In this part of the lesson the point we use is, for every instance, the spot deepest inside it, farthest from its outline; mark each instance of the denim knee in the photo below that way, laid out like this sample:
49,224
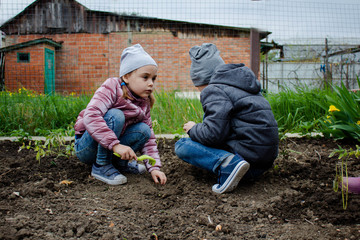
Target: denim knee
180,150
145,130
136,135
115,119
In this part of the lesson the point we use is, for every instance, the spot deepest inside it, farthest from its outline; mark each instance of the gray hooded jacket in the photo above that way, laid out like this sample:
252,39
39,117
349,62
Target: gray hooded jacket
237,118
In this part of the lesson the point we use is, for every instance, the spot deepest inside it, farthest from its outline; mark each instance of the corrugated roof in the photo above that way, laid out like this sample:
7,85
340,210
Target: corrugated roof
263,34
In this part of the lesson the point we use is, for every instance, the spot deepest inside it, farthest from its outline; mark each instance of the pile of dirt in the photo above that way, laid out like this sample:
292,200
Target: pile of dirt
294,200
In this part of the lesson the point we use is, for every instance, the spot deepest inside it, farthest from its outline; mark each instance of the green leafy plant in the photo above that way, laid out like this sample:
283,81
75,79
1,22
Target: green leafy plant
21,134
54,144
343,118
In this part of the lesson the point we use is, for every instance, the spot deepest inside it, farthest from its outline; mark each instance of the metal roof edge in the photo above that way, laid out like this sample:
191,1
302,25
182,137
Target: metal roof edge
50,42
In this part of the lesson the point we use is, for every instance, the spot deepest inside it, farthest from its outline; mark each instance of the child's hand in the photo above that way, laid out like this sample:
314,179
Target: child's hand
125,152
188,126
158,177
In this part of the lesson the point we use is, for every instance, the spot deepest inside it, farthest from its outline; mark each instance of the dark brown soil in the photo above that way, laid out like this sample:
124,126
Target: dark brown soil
294,200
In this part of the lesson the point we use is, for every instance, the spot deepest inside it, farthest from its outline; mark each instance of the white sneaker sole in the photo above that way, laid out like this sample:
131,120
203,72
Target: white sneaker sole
119,181
234,178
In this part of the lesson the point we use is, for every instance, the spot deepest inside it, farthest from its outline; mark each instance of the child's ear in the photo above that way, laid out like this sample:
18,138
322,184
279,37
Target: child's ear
125,78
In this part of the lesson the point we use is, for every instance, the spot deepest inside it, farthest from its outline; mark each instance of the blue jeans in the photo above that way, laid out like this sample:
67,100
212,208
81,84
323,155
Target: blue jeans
135,136
208,158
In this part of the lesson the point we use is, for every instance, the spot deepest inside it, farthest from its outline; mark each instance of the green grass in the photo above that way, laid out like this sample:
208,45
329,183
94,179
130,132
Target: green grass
170,113
297,111
26,113
36,114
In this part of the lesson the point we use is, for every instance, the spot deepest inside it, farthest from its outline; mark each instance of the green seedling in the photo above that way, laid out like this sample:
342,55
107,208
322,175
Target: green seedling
152,161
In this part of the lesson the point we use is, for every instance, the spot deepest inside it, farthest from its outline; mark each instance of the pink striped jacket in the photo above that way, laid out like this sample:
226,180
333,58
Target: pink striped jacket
109,96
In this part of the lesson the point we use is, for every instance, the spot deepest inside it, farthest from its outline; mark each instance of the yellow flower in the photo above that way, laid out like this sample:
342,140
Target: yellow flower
332,108
358,122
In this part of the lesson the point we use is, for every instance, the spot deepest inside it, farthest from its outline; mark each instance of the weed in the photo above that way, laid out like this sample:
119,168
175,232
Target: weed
341,170
54,144
21,134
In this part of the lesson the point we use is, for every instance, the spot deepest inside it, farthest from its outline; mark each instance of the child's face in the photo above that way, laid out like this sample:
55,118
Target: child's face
141,81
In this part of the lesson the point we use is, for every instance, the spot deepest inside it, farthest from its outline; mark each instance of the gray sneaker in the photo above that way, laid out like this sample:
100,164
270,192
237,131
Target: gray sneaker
108,174
125,166
133,167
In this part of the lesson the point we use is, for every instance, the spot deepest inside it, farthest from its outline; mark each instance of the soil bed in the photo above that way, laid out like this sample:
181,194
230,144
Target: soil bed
294,200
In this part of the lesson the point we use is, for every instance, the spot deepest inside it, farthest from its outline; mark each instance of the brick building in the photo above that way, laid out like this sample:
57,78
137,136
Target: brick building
36,59
88,45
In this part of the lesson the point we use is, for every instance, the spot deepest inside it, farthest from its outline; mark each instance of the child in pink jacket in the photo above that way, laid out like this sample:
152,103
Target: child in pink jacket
117,120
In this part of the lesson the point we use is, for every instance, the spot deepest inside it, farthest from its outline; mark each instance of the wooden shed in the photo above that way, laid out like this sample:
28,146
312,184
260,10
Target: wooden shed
31,65
92,43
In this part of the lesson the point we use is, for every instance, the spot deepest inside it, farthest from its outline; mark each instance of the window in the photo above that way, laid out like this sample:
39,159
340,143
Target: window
23,57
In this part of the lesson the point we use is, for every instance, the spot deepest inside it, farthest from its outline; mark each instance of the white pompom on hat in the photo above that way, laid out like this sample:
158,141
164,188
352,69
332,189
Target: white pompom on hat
134,57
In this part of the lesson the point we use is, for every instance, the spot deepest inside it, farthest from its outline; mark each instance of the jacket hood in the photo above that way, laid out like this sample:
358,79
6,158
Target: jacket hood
236,75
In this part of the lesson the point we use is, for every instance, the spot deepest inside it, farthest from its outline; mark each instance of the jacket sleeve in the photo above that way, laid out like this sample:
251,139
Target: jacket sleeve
215,127
94,122
150,147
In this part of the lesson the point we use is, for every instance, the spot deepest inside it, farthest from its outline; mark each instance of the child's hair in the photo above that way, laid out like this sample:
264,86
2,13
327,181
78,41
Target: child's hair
125,90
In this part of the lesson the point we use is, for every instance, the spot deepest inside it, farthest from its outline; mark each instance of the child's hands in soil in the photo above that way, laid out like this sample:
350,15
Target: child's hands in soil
158,177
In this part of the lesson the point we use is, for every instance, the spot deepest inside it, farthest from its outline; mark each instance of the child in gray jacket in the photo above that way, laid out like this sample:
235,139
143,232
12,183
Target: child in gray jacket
238,132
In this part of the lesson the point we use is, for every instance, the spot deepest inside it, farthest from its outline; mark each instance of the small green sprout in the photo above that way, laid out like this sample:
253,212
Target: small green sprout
152,161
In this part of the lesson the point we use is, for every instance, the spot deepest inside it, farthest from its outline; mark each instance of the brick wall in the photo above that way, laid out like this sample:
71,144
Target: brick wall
86,60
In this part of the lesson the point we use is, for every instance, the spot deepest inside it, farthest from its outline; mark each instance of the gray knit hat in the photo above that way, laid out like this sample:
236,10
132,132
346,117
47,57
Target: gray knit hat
204,60
134,57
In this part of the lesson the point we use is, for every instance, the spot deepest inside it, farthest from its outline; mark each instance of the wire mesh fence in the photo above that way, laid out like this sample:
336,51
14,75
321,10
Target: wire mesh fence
71,47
